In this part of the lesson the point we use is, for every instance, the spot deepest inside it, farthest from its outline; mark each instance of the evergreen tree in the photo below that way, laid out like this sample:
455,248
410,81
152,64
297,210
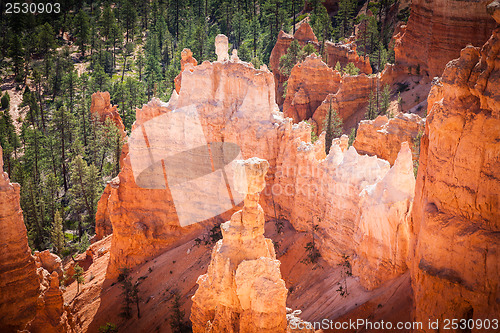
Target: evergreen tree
57,233
79,277
333,127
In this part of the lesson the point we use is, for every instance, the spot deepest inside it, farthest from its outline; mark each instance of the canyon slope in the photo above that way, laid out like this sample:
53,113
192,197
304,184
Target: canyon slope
456,212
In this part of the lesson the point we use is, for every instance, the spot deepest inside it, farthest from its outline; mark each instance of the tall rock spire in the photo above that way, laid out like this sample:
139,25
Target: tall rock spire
243,290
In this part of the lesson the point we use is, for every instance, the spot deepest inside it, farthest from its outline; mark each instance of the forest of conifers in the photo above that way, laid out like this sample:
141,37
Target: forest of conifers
57,152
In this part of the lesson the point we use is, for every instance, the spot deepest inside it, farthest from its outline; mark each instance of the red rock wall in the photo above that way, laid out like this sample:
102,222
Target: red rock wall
19,286
383,137
309,83
303,35
456,216
437,30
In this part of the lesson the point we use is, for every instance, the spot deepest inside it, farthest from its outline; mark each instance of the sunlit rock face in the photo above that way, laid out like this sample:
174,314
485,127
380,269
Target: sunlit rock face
187,60
456,214
30,297
309,83
356,201
342,53
349,101
19,286
227,102
230,102
303,35
242,290
383,229
436,32
383,136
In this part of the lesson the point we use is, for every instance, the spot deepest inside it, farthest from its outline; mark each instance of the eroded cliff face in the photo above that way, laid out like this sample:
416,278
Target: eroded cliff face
304,35
230,101
342,53
309,83
30,297
436,32
102,109
383,136
242,290
456,212
19,286
339,195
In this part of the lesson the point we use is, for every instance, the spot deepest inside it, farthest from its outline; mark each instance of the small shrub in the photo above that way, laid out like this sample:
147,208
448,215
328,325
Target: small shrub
346,272
5,100
108,328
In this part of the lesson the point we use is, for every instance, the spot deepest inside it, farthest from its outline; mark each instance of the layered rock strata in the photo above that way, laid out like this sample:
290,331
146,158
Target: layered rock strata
309,83
383,136
225,102
19,286
343,53
30,297
436,32
456,212
242,290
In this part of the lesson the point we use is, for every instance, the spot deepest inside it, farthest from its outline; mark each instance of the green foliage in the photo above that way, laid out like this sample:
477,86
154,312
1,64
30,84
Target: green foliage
177,322
57,233
79,277
352,136
345,18
378,102
416,152
338,68
108,328
333,126
5,100
293,55
345,273
351,69
313,253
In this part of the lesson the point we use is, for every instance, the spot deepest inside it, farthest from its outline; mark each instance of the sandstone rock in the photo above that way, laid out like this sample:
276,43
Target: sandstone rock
51,316
456,218
345,53
233,102
304,35
51,262
30,297
186,58
242,290
436,32
383,136
309,83
384,228
102,109
221,48
103,226
19,286
350,101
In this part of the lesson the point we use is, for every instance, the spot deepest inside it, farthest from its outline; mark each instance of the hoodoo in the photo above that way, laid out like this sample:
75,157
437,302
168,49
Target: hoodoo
242,290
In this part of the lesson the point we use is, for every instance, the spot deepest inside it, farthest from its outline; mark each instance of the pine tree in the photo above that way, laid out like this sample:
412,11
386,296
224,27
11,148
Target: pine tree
293,55
45,39
333,127
351,69
57,233
79,277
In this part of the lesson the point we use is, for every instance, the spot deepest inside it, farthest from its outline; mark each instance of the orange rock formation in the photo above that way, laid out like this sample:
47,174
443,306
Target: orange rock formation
242,290
335,52
456,212
30,297
309,83
383,136
19,286
436,32
186,58
102,108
